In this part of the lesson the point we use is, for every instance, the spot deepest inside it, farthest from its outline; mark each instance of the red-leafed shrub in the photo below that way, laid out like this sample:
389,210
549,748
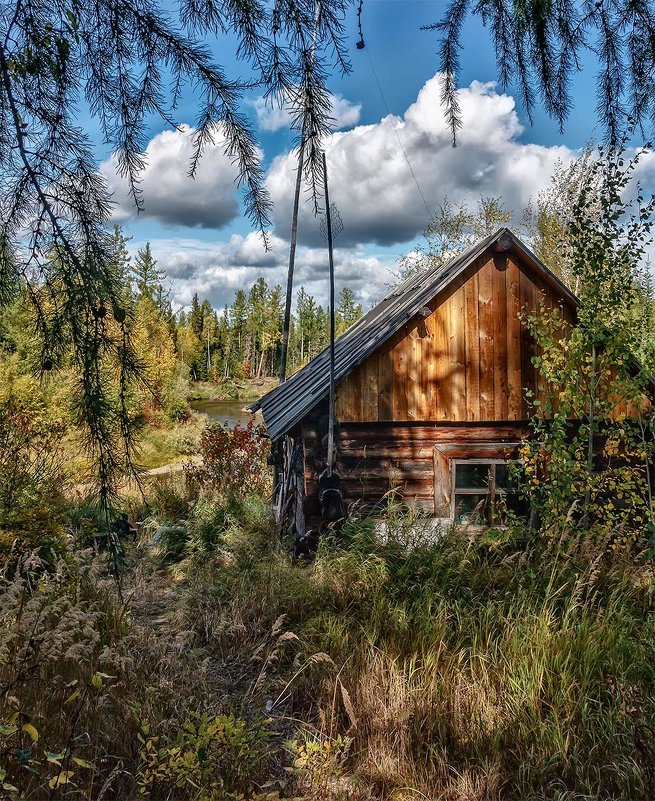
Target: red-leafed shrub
233,459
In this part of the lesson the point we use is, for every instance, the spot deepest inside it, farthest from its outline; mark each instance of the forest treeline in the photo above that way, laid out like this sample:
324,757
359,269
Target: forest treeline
197,343
242,340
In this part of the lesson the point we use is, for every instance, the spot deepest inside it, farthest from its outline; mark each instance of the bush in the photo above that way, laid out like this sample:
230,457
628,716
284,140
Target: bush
233,460
207,756
211,523
461,669
32,480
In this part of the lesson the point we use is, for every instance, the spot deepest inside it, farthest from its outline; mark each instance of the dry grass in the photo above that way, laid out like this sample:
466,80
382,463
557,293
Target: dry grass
453,671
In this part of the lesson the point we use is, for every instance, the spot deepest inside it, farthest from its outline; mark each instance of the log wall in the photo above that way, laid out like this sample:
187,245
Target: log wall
404,459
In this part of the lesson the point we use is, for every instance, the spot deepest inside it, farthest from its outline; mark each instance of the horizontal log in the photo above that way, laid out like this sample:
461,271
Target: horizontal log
383,462
386,449
390,477
378,487
377,484
405,433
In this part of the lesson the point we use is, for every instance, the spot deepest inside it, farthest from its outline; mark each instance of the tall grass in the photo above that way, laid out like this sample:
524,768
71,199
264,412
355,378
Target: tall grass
472,670
461,669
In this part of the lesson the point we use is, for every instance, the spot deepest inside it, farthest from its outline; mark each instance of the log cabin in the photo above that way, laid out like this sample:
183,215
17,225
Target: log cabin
431,393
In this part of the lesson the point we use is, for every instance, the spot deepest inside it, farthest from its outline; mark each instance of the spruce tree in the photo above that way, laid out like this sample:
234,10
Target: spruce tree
348,312
127,61
148,279
541,45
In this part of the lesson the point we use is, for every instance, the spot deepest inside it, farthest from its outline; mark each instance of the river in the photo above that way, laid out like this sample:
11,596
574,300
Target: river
228,412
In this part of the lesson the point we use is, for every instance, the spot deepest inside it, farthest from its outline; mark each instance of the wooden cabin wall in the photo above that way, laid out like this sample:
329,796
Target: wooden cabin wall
374,458
469,360
449,385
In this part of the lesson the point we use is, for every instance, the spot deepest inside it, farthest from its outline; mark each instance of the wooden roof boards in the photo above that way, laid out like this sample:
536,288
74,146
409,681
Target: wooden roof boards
286,405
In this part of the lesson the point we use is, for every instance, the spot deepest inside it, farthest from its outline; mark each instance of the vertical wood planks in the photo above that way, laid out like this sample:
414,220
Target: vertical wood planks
355,403
472,349
370,388
341,401
469,360
486,323
421,352
457,355
429,368
385,383
399,379
412,390
514,389
442,389
528,345
500,336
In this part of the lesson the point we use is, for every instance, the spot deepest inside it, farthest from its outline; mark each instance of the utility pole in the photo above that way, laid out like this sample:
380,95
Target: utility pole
294,223
209,357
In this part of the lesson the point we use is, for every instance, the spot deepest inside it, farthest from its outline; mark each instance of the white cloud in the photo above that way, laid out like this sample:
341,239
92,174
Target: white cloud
273,117
216,271
372,184
169,195
371,181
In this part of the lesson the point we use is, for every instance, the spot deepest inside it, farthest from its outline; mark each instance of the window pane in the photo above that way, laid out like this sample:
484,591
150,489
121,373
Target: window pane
516,504
471,475
505,479
470,508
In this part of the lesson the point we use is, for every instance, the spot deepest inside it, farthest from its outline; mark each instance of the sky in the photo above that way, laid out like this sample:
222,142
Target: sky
387,114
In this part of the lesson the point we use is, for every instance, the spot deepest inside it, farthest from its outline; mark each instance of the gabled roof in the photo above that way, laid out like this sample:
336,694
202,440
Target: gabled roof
287,404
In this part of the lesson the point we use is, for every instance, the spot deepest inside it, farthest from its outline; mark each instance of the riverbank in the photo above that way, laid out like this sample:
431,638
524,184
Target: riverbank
163,442
166,442
246,389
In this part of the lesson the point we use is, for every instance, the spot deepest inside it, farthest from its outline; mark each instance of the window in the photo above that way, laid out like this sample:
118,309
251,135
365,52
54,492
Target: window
483,490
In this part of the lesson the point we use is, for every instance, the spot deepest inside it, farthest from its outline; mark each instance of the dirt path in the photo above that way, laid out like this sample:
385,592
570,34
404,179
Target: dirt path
172,467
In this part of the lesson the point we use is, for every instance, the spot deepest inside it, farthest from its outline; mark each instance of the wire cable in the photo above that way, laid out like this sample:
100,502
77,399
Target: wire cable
395,129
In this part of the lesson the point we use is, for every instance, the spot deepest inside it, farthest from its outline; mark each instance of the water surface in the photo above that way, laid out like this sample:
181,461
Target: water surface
227,412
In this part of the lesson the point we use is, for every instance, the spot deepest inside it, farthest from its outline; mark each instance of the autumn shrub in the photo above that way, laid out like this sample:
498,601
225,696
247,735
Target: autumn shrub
206,757
589,461
486,666
98,701
166,499
60,635
32,481
232,459
212,521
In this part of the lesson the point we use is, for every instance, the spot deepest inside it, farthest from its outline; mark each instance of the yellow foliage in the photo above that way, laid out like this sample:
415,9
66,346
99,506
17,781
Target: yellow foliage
154,345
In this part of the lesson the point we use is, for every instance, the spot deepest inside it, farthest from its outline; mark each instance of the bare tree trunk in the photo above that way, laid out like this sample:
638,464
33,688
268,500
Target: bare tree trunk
294,224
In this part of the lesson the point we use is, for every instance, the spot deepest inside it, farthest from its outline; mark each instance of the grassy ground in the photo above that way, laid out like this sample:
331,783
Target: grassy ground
462,670
166,442
162,442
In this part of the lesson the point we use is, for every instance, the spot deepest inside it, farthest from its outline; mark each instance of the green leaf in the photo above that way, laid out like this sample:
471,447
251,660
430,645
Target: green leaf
82,762
96,680
75,694
8,730
63,777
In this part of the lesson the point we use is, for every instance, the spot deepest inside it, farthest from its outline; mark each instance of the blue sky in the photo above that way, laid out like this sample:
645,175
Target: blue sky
200,237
